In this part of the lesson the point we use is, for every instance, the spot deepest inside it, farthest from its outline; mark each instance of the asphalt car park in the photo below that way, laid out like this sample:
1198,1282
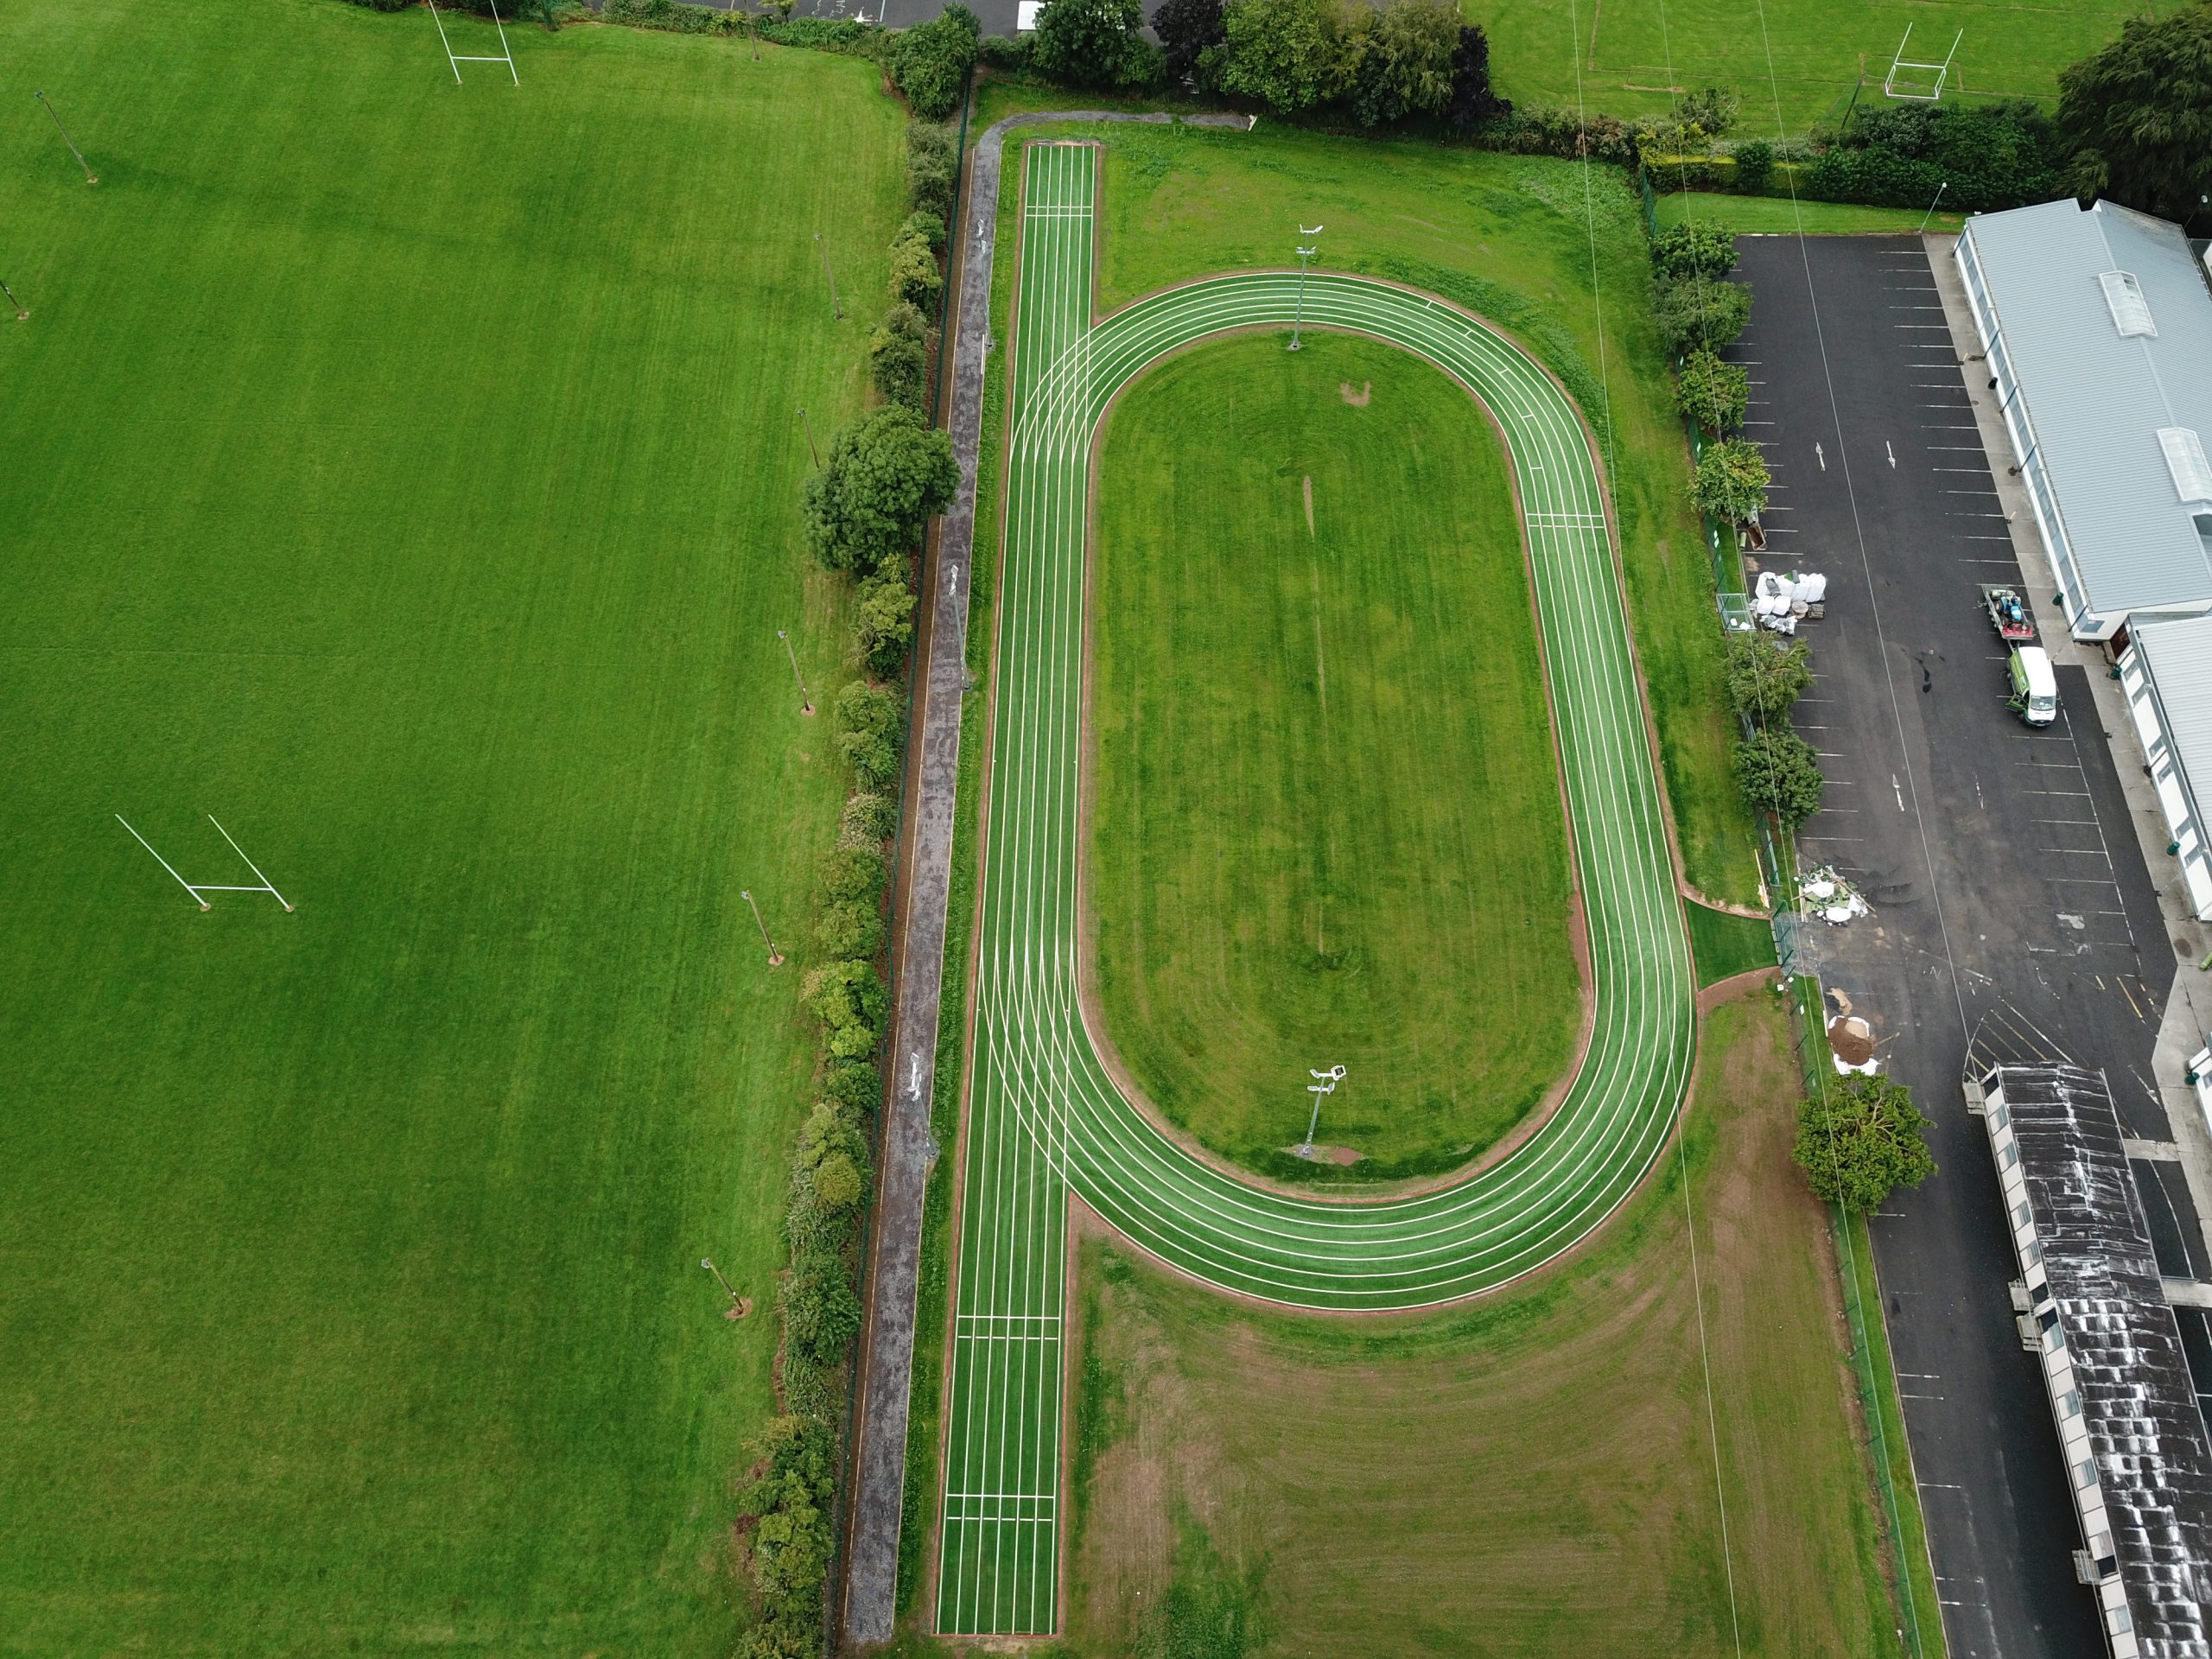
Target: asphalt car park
2012,913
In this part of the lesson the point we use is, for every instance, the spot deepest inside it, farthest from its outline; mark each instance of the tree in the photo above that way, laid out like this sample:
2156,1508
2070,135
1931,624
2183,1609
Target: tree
885,474
1094,43
884,622
1754,165
868,734
898,356
1766,674
1711,110
915,278
2137,117
1700,314
1779,773
1399,60
1713,393
1860,1141
1731,482
930,62
1285,54
1187,30
1693,250
1473,99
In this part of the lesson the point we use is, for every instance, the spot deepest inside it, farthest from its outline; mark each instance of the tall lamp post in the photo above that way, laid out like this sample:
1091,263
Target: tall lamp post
805,702
90,177
836,311
1327,1084
1298,317
775,957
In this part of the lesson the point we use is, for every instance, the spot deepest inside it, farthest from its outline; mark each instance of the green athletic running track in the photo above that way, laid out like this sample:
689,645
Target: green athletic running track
1044,1117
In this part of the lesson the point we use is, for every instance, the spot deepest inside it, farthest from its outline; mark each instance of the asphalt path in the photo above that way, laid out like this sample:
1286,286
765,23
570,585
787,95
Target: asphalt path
1045,1119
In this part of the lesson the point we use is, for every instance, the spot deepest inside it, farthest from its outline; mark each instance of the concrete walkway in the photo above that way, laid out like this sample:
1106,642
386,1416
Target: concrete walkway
870,1601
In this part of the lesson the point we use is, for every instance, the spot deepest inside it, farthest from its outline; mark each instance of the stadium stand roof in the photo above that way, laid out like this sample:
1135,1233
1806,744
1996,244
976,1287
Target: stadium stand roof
2121,1396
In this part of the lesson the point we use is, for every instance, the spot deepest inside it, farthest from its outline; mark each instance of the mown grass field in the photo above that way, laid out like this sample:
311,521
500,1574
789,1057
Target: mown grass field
1778,216
407,474
1806,56
1533,1475
1326,824
1513,239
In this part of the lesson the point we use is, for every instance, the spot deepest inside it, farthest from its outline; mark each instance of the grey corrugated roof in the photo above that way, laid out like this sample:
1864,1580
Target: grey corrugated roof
2097,400
2179,658
2154,1462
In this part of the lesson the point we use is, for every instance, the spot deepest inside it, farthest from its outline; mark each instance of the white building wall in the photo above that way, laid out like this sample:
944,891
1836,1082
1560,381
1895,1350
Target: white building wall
2185,833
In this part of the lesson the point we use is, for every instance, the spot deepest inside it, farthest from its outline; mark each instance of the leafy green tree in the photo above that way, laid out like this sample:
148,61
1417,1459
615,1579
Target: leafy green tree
1399,60
1860,1139
885,474
1700,314
1693,250
837,1181
929,171
1779,773
1188,30
930,62
1474,99
1766,674
1713,393
898,356
915,279
1094,43
852,873
1731,482
849,928
883,622
1285,54
2137,117
866,820
1754,166
869,719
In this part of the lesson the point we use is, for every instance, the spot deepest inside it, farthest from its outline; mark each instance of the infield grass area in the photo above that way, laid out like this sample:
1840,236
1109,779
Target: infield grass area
1532,1476
1327,828
1630,52
406,473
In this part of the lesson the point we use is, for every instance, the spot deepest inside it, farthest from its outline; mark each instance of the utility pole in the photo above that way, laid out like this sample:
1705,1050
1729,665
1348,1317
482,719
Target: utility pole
836,311
22,311
1326,1085
811,450
805,702
775,957
739,1307
90,177
1930,214
1299,317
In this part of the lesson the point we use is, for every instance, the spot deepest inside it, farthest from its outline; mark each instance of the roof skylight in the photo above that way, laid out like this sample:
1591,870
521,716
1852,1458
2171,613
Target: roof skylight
2131,312
2185,461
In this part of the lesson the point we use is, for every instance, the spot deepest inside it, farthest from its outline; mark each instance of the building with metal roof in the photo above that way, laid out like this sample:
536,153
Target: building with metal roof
2096,324
2093,1310
2166,671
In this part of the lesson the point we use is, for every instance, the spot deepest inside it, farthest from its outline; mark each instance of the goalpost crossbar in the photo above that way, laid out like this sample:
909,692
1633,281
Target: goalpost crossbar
455,60
1906,76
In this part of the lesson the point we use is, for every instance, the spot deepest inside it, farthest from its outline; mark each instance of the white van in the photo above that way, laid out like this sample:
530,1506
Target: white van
2034,687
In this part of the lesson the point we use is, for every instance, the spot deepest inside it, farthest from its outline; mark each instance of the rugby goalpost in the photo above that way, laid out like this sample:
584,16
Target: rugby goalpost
1910,80
197,889
453,61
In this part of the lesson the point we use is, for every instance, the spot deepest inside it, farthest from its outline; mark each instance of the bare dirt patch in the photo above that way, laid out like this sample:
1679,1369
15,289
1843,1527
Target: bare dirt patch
1358,399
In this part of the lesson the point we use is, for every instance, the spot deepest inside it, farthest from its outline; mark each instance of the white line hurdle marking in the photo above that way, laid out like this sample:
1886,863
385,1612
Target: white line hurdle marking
195,888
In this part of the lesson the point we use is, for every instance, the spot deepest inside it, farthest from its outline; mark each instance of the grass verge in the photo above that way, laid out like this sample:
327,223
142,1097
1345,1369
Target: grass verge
1776,216
412,484
1723,945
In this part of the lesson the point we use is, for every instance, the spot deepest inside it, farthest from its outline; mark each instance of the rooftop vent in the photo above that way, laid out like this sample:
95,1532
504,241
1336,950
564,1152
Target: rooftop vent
2185,461
2131,312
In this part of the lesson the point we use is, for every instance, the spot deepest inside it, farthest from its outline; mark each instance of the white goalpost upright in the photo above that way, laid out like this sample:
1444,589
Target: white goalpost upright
259,884
453,61
1906,78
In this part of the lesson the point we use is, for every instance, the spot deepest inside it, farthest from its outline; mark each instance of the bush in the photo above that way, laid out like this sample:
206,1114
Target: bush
1982,156
1681,251
385,6
821,1313
788,1550
1731,482
1700,314
1009,54
851,1002
853,874
915,279
837,1182
929,170
1766,674
930,62
847,36
867,821
868,734
1754,165
1399,60
929,227
1474,100
1713,393
898,356
1187,30
1537,130
855,1085
1094,43
883,623
1779,773
1284,54
849,928
886,473
1860,1139
1711,110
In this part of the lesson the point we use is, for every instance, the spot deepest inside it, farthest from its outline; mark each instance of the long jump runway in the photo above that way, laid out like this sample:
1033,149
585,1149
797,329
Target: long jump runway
1045,1119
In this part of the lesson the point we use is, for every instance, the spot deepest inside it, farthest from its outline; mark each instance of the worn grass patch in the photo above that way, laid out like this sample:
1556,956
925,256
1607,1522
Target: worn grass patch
408,474
1327,826
1530,1475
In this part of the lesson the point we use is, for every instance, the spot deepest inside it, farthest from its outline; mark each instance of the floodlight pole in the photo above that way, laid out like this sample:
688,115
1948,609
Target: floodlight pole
775,957
90,177
707,1262
1298,317
811,450
1327,1085
1930,214
805,702
22,311
836,311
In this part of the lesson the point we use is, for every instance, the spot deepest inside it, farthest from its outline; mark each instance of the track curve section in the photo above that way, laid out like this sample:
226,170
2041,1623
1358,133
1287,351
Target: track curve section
1044,1118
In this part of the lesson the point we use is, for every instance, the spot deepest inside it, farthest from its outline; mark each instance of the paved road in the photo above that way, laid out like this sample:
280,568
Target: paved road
1044,1117
2010,901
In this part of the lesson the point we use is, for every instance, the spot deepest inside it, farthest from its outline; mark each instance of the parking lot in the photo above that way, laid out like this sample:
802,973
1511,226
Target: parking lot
2012,908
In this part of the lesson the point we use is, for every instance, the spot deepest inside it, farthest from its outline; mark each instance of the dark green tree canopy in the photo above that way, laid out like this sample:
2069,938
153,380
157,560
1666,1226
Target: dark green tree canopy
1094,43
1282,52
1695,250
1779,773
1399,60
1473,99
1187,28
930,62
1860,1139
1713,393
2137,117
1767,674
886,473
